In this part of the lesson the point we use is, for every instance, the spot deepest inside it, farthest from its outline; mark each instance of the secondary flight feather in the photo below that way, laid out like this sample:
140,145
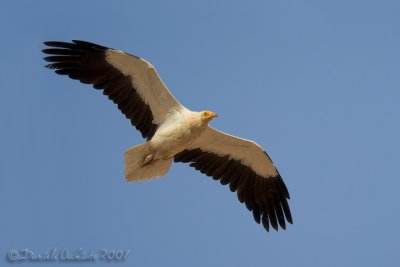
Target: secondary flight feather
173,132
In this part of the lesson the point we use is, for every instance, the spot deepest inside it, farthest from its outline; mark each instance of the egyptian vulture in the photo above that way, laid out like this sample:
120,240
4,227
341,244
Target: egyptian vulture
173,132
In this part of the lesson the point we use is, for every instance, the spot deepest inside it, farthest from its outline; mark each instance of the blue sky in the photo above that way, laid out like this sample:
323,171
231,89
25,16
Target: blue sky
316,83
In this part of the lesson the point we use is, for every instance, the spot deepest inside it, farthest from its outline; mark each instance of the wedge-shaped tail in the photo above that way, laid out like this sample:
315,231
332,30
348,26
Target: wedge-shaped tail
134,169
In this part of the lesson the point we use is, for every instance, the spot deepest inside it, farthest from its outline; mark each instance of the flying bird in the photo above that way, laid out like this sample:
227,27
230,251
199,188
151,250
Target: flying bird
173,132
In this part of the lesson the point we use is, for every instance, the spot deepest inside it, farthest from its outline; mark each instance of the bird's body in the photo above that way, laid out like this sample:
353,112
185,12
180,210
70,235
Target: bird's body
173,132
178,131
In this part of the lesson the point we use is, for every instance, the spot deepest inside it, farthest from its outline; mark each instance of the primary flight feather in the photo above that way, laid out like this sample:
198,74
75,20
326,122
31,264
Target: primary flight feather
173,132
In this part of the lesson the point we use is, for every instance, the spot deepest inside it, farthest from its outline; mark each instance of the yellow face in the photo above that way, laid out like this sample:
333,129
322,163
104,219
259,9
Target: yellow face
207,115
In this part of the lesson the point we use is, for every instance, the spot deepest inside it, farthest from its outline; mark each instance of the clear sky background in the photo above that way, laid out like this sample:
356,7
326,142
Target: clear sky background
316,83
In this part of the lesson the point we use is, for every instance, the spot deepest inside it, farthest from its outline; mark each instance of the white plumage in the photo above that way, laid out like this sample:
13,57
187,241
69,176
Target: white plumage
180,128
173,132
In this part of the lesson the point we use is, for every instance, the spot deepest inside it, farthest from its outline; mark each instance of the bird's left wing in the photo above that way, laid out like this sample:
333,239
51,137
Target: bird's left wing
247,168
129,81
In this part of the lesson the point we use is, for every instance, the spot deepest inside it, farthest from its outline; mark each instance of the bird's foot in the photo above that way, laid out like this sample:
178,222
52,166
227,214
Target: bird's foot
147,160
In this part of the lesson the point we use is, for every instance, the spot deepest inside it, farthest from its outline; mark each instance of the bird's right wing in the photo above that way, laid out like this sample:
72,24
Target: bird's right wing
129,81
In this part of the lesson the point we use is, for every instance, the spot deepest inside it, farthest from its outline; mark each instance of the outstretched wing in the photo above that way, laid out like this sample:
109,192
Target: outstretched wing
129,81
247,168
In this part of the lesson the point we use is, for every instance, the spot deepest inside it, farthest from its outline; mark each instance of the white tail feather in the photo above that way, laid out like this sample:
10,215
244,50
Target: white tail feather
134,171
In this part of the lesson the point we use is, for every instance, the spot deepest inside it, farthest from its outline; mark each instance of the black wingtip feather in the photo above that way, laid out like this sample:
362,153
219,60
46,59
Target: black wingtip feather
265,221
257,215
89,44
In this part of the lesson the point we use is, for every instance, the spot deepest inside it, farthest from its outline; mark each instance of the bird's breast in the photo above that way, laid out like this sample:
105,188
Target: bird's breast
174,136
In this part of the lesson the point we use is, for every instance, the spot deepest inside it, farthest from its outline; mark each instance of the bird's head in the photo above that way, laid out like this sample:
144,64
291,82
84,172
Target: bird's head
207,115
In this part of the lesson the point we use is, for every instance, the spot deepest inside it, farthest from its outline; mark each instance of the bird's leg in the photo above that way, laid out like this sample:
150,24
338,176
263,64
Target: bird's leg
148,159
